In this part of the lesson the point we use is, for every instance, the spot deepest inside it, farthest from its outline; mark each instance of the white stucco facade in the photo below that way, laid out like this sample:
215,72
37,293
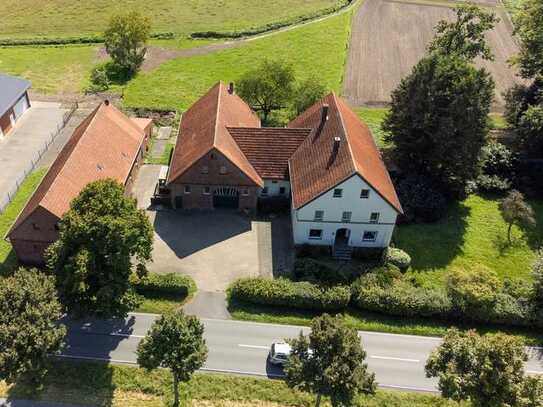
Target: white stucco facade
329,214
275,188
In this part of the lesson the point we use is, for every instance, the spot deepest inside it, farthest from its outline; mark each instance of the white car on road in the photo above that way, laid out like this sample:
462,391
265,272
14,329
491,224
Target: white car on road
279,353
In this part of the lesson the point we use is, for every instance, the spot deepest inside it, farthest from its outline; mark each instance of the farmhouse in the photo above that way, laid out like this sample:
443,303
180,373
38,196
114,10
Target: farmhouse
107,144
14,101
325,160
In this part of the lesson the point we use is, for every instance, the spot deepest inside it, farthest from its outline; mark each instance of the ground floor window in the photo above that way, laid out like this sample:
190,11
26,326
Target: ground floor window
369,236
187,189
315,234
207,190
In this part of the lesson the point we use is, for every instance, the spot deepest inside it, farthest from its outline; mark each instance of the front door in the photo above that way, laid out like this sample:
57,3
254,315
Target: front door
342,237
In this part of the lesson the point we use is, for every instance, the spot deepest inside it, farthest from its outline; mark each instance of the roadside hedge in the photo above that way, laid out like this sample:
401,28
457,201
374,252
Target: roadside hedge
287,293
86,39
171,284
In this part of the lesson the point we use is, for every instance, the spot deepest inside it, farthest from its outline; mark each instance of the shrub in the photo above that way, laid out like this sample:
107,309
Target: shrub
492,183
497,160
401,298
421,199
286,293
473,291
171,284
307,269
398,258
99,79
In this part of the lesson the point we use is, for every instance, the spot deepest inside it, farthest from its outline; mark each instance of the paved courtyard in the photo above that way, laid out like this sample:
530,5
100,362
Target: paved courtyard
26,142
213,247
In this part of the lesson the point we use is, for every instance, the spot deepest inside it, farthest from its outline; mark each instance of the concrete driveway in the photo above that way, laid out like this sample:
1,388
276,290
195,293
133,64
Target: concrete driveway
213,247
26,142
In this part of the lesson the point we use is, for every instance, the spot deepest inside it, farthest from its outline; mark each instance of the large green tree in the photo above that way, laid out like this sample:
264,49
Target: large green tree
329,362
465,36
29,329
528,21
487,370
125,40
306,93
103,237
438,120
175,341
268,87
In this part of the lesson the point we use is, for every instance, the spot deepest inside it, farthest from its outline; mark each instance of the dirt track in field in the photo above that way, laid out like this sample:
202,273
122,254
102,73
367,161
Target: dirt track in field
390,36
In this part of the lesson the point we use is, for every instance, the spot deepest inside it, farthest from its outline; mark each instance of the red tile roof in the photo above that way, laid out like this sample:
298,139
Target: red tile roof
203,127
268,149
104,145
315,168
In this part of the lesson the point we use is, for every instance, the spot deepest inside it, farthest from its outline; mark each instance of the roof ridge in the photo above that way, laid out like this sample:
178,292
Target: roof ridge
345,132
217,115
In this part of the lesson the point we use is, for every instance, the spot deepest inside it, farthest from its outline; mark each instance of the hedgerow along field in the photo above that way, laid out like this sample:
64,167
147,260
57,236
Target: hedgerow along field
65,18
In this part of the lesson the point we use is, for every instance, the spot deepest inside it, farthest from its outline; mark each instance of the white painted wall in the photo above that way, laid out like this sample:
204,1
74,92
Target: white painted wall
274,188
303,219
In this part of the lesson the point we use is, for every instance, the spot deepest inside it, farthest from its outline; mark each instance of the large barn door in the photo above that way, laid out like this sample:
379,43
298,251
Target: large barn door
226,198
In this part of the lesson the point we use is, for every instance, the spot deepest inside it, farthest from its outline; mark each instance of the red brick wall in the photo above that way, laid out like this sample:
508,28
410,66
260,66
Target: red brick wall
33,236
198,180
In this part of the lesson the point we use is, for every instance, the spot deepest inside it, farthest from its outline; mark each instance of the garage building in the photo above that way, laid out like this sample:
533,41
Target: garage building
14,101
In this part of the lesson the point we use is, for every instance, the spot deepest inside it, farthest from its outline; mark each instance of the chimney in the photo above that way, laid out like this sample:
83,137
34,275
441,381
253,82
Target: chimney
337,142
324,116
106,102
231,88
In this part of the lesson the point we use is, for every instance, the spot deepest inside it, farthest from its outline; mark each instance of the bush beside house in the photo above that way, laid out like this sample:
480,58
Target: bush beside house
171,284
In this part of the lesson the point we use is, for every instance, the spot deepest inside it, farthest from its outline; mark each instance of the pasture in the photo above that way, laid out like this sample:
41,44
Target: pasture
65,18
389,37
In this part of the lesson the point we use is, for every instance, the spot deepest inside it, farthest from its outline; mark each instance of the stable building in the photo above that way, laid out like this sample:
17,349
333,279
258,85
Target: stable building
14,101
325,161
107,144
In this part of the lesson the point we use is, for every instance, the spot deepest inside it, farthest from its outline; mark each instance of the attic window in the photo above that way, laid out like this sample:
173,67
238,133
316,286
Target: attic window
35,226
124,154
100,167
205,169
222,170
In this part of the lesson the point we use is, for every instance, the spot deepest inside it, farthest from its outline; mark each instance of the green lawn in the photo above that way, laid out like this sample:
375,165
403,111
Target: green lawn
472,232
7,256
317,49
64,18
63,69
107,385
373,117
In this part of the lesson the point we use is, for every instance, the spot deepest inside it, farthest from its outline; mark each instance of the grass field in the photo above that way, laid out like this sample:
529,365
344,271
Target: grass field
50,69
318,49
63,18
106,385
472,232
7,256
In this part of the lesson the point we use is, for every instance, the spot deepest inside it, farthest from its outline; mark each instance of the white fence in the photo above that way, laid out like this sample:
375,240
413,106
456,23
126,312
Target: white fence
8,195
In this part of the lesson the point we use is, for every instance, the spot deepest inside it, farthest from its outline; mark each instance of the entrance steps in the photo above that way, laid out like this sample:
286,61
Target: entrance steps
344,253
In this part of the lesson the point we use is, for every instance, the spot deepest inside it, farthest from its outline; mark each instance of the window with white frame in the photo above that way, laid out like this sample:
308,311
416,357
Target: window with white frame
374,217
245,191
315,234
282,190
346,217
207,190
338,193
365,194
222,170
264,191
319,216
187,189
205,169
369,236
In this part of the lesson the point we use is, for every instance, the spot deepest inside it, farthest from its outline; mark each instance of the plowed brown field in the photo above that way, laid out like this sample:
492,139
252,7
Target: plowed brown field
390,36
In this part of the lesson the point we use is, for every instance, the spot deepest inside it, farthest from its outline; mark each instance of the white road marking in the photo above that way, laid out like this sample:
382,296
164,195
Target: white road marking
253,346
396,359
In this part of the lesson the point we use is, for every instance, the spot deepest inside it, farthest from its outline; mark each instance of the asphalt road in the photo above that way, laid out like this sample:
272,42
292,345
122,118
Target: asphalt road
242,348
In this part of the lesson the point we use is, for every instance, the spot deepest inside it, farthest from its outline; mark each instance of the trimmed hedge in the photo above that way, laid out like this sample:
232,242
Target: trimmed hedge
171,284
286,293
88,39
273,26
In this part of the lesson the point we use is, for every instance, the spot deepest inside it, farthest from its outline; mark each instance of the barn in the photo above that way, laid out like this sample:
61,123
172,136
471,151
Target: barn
14,101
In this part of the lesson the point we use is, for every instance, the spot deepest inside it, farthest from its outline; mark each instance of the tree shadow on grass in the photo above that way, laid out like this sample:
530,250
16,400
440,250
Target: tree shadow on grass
434,245
534,235
81,383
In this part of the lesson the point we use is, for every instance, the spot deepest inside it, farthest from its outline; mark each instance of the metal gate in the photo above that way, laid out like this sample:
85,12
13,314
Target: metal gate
226,198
